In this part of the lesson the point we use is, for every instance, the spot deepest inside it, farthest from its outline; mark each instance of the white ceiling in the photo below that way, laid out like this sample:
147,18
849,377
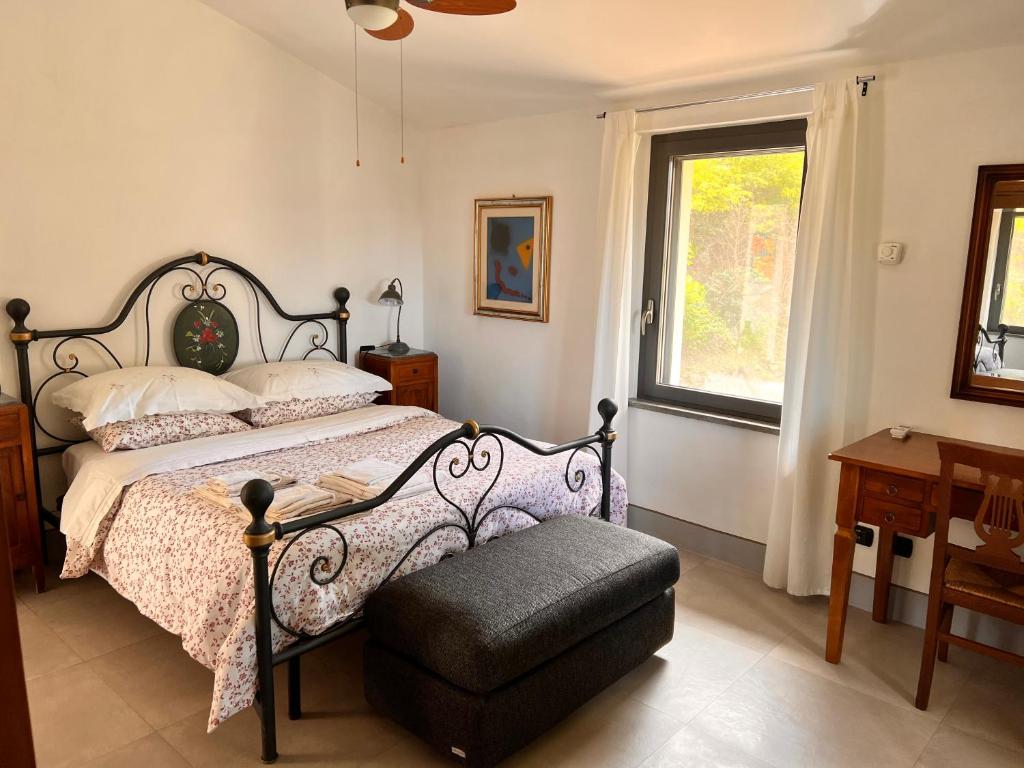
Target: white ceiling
554,55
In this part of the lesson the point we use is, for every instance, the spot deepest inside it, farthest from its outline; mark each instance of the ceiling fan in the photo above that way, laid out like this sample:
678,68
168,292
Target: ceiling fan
385,20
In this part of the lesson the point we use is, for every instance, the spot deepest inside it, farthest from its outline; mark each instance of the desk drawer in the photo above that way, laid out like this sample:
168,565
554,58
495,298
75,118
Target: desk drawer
894,486
415,372
899,516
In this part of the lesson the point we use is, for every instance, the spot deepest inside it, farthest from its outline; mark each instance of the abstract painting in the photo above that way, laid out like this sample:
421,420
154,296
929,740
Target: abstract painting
513,257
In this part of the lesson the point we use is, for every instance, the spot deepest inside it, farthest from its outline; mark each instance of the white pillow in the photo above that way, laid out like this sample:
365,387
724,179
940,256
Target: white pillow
275,382
131,393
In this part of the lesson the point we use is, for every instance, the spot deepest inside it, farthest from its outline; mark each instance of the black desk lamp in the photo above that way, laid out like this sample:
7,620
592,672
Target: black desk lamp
393,297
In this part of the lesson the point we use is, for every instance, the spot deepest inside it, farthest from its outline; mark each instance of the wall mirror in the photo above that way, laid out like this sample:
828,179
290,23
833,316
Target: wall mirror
989,363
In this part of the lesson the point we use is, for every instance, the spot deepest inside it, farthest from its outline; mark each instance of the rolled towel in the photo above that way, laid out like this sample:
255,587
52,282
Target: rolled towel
230,483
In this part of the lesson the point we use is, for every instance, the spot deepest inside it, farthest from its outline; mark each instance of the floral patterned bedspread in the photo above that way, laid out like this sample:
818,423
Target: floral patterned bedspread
182,562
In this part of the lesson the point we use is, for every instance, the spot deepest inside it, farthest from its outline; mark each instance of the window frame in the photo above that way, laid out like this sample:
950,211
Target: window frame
1007,229
666,150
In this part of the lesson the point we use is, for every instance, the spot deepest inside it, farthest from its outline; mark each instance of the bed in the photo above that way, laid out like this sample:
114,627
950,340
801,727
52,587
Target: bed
247,595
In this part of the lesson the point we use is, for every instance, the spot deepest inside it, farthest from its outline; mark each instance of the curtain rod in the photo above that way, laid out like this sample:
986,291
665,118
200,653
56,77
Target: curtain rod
862,80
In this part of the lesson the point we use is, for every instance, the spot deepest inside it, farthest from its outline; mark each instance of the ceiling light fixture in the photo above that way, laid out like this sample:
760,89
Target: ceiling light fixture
373,14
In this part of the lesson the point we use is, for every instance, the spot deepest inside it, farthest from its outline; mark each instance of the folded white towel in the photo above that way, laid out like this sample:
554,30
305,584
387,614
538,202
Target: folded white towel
418,484
291,502
370,471
230,483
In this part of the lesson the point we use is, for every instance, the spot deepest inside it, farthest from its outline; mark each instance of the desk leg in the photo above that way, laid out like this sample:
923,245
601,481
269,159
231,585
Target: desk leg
883,576
842,561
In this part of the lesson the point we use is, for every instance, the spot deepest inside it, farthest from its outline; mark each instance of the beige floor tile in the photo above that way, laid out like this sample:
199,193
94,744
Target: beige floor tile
736,605
691,748
689,673
689,560
319,739
42,650
148,752
96,622
57,589
882,660
337,728
332,676
76,717
991,706
157,678
950,748
789,718
409,752
611,731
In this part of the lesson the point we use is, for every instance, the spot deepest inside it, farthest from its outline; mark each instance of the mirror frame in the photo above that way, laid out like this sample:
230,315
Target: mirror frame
974,283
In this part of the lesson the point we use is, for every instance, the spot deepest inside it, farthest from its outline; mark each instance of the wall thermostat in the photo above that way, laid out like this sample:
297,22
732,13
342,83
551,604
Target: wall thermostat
890,253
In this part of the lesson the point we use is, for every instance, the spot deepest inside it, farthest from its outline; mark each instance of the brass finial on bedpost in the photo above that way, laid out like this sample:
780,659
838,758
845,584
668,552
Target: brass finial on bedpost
257,496
20,335
18,310
607,409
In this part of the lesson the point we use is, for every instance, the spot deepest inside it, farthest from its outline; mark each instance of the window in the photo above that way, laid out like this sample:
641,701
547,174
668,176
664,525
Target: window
1006,306
721,237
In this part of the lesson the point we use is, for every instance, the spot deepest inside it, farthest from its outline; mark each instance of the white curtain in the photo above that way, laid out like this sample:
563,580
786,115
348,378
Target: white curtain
615,251
819,400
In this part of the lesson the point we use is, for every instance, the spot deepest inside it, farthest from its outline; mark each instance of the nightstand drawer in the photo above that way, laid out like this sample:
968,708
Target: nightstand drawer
894,486
890,514
10,427
414,372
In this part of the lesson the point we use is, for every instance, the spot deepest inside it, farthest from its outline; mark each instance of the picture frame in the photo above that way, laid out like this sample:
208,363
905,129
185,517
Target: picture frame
512,258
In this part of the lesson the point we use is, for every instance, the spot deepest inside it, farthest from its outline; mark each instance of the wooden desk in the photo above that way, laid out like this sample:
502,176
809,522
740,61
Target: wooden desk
892,484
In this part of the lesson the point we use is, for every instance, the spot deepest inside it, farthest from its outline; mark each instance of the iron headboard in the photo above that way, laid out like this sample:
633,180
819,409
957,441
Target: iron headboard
200,288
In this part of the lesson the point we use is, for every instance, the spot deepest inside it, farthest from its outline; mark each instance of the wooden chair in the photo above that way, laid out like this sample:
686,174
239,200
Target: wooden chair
989,578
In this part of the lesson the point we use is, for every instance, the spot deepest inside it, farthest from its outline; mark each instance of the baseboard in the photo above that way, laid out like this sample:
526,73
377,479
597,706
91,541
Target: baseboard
907,606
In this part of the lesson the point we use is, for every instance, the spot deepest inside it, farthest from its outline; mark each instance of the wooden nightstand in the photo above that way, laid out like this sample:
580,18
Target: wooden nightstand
19,506
413,376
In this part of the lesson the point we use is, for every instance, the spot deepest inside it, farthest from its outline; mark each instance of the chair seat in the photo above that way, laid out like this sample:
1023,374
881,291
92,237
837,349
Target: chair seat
973,579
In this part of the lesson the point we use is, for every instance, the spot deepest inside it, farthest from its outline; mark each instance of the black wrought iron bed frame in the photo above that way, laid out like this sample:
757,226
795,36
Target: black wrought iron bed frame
470,448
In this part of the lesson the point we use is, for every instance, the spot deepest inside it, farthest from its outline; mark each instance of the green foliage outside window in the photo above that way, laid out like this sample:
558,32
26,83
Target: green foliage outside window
743,215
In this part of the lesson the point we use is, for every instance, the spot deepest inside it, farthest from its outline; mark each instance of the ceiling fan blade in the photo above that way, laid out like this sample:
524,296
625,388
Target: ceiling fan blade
466,7
397,31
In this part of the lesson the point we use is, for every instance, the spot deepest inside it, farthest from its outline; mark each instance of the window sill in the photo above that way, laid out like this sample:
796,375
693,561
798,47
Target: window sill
714,418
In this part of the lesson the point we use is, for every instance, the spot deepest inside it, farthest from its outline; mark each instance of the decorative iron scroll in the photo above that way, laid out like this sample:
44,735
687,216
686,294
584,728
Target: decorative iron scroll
201,287
453,458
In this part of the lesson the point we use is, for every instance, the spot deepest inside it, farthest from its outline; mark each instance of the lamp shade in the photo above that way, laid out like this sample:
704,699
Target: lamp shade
391,297
373,14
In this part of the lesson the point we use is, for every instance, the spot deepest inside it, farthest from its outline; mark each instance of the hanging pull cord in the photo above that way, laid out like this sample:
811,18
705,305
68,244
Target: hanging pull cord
401,79
355,54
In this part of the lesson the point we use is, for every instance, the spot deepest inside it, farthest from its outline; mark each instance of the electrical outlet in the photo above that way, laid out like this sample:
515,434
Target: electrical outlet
890,253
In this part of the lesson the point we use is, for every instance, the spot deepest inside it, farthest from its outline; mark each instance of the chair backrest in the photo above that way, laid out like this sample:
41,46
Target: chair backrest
999,521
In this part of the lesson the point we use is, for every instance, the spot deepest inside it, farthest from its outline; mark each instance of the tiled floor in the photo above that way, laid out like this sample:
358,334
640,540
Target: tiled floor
743,684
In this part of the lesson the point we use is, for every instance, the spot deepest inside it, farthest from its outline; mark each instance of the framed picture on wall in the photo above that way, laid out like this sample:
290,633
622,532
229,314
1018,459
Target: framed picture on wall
512,260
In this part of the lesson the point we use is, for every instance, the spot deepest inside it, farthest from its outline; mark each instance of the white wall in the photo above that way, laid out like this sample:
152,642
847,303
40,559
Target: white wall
940,125
929,125
132,133
532,377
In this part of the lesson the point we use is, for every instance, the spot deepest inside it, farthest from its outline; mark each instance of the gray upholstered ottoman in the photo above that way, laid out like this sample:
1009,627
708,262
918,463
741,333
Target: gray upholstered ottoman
483,652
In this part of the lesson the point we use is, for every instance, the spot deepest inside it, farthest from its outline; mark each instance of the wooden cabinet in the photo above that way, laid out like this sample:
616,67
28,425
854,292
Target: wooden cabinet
413,376
19,507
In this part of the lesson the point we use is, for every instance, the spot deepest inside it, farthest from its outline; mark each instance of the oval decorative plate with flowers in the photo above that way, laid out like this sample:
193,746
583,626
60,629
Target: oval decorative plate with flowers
206,337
